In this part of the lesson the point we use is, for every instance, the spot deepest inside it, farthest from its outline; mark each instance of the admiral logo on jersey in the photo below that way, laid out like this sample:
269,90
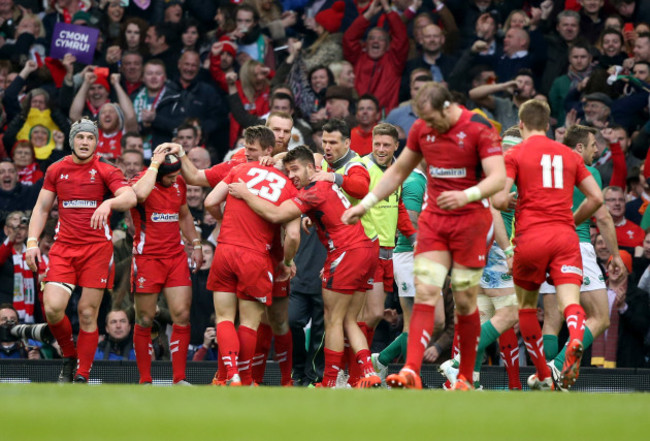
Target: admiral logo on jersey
439,172
164,217
79,204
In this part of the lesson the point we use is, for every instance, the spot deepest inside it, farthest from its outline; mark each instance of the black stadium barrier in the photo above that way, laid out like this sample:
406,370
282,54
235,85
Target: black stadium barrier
492,378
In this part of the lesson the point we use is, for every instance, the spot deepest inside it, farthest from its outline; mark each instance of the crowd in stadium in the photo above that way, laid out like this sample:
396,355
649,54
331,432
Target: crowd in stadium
174,85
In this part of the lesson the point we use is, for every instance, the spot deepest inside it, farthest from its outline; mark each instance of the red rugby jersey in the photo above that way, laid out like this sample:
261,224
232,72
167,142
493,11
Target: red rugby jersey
545,172
454,158
241,226
80,189
157,231
325,203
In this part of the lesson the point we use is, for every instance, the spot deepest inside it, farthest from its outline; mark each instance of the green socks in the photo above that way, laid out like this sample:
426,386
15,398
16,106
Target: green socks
550,346
587,340
394,350
488,336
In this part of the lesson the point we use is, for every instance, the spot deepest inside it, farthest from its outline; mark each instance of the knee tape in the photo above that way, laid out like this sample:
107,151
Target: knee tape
429,272
66,286
465,278
485,307
505,301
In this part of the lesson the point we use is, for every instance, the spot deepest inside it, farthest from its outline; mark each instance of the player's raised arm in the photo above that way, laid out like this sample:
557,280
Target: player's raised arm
286,212
191,174
593,200
145,184
393,178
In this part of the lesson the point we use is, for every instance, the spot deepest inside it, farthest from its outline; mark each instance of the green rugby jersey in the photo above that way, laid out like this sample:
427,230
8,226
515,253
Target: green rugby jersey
413,191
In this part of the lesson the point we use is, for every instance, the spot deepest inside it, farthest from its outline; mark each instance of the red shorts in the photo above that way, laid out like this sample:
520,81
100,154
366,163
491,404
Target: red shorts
554,252
152,274
89,266
352,270
384,273
247,273
468,237
280,289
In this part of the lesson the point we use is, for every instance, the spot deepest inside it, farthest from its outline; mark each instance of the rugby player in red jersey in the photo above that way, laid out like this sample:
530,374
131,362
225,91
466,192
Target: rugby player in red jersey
455,225
350,264
546,241
82,253
242,272
160,262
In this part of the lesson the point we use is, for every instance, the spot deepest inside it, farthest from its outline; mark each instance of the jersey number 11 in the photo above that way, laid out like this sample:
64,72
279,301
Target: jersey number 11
552,171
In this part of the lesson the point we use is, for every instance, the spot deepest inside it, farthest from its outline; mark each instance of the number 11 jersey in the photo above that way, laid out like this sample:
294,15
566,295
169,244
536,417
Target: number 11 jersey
325,203
241,226
545,172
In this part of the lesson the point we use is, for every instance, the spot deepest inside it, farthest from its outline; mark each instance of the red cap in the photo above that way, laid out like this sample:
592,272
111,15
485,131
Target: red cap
228,46
331,18
626,258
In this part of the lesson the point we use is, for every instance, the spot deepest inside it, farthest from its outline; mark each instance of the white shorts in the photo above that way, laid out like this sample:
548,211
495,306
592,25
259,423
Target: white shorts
403,272
592,276
495,273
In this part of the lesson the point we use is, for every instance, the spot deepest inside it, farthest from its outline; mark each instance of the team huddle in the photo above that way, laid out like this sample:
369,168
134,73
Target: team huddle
441,214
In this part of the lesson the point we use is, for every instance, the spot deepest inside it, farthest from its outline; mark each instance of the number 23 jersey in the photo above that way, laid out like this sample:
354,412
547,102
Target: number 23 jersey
241,226
545,172
325,203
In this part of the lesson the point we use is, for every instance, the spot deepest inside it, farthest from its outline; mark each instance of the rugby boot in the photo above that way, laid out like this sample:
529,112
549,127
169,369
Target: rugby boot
405,379
449,370
463,384
80,379
67,370
369,381
571,368
234,381
381,370
556,375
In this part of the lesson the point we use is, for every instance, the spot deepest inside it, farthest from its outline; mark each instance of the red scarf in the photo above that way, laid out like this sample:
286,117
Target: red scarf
30,174
23,287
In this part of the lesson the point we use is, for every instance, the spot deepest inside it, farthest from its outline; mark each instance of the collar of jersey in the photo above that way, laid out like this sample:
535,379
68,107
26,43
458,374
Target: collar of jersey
382,167
343,160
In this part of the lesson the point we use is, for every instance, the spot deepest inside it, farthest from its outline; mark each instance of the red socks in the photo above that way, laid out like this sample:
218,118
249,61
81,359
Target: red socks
364,363
228,346
575,321
420,332
178,344
333,361
532,334
509,350
62,331
284,356
258,365
354,370
469,330
247,343
143,350
221,368
86,348
455,348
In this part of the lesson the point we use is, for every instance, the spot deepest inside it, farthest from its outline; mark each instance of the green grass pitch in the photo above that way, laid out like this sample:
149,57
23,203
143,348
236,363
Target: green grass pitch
131,412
